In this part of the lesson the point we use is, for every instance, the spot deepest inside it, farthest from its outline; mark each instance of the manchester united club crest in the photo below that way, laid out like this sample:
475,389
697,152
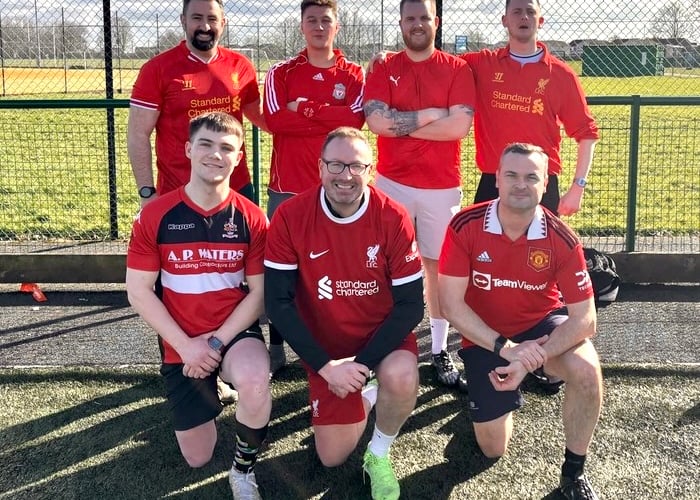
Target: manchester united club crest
230,229
539,259
339,91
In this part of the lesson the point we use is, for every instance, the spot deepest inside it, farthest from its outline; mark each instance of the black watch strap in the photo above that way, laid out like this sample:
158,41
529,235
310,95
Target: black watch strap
147,191
498,345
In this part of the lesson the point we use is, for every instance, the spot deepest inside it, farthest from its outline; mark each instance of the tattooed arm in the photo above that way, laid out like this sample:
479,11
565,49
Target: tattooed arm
389,122
450,128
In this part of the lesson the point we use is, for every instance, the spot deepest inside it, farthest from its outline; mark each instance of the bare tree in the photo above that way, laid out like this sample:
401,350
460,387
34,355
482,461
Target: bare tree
673,20
169,38
121,34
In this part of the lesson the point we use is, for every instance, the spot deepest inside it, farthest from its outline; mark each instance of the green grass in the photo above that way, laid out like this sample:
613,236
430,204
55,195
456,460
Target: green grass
88,433
54,176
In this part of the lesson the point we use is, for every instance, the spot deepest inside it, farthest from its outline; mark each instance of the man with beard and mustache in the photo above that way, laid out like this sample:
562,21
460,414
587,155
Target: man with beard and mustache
420,104
192,78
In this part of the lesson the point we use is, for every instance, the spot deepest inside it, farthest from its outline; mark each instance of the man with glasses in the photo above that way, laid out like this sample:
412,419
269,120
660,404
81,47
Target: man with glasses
306,97
343,285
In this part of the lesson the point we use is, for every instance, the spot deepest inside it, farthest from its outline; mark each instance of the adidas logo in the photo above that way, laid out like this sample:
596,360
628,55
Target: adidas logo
318,77
484,257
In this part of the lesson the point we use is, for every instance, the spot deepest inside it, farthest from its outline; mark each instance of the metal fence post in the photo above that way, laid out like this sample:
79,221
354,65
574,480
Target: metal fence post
633,173
111,129
256,165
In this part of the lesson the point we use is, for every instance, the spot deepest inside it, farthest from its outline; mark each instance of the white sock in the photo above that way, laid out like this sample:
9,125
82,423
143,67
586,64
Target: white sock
379,446
438,334
369,392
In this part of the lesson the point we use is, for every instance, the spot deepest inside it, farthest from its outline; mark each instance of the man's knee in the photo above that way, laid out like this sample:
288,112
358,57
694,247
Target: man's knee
400,379
197,458
492,449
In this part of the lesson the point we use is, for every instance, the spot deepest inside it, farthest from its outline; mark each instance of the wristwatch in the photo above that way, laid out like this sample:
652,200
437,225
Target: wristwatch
580,182
147,191
498,345
215,344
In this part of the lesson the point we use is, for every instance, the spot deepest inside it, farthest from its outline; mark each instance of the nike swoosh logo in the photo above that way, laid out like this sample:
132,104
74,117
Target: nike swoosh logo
317,255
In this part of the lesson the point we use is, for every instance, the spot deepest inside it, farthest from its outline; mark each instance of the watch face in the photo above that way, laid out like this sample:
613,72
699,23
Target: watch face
147,191
581,182
215,344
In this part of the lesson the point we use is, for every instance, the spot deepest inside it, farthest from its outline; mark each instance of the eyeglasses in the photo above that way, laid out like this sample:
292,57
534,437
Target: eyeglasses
337,167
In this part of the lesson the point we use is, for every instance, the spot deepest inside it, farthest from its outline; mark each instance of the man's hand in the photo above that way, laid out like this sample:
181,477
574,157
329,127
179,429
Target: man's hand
507,378
570,203
294,105
198,358
530,353
146,201
344,376
378,58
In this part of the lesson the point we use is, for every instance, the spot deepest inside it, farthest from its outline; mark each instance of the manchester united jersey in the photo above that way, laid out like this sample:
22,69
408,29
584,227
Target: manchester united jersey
327,98
203,257
440,81
513,285
181,86
344,290
526,103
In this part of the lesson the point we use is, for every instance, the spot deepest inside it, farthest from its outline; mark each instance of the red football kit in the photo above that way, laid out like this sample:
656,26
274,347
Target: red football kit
526,103
513,285
440,81
181,86
203,257
328,98
344,292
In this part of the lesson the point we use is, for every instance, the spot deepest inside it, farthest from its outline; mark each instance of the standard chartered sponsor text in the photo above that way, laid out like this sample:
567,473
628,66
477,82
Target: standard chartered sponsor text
346,288
512,102
227,104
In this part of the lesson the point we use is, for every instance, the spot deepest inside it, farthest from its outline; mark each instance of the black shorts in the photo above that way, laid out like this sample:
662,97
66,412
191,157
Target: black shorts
194,401
485,402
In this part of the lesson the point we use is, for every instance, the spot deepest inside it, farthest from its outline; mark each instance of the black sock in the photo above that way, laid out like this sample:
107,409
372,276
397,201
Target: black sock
275,337
573,464
248,442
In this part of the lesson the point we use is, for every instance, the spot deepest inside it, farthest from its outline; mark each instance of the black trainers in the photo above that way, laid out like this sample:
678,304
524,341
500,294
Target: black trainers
446,372
462,383
548,385
577,489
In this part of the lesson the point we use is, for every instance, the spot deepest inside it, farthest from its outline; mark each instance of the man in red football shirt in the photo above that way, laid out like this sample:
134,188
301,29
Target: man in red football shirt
501,269
343,285
306,97
195,275
194,77
524,94
419,103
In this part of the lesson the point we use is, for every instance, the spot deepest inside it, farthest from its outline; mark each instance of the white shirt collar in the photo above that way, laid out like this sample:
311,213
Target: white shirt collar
536,231
344,220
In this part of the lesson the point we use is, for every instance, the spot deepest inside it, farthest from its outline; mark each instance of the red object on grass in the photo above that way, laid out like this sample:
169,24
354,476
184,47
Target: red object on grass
35,290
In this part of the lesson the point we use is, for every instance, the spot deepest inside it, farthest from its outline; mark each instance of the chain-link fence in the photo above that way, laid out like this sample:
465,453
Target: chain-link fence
67,186
49,47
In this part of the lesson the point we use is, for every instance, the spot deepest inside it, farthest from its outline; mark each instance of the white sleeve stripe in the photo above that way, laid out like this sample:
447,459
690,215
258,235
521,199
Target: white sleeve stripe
201,282
142,104
279,266
407,279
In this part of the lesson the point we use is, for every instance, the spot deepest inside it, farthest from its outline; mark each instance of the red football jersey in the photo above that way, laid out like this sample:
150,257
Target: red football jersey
202,256
513,285
332,97
526,103
441,81
346,266
181,86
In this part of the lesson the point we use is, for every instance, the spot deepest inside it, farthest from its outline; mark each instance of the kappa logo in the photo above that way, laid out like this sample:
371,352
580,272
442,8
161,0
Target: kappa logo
484,257
318,77
372,256
325,290
394,80
497,78
314,256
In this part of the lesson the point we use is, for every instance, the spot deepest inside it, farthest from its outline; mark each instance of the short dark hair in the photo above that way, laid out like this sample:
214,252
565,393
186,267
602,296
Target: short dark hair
185,3
321,3
216,121
536,1
525,149
403,2
344,133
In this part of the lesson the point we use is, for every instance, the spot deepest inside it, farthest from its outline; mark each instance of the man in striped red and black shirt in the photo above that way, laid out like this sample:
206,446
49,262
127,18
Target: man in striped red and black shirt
501,268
